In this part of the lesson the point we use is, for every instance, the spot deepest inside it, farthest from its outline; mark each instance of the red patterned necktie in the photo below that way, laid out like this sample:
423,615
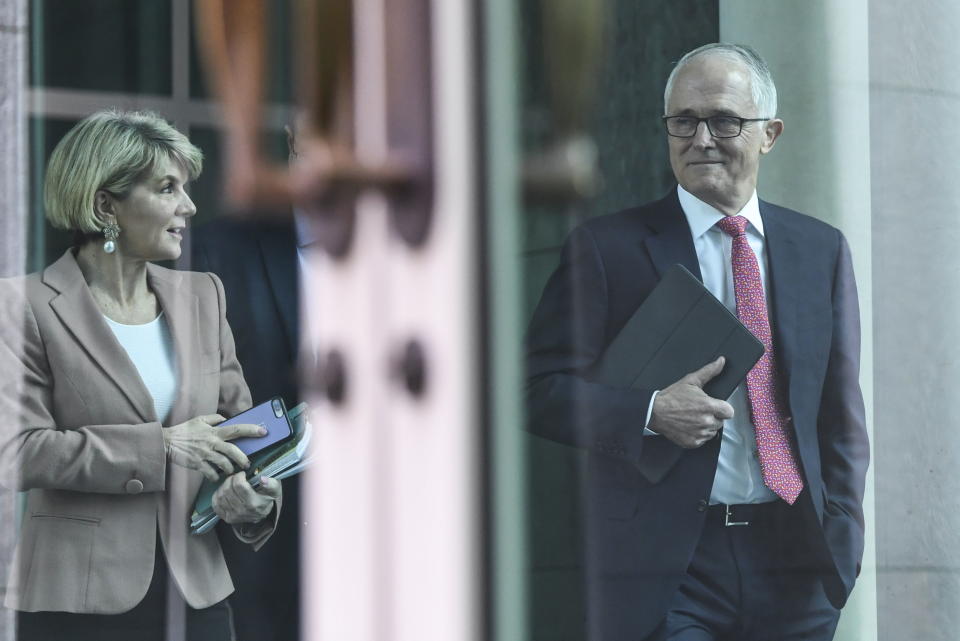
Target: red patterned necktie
777,461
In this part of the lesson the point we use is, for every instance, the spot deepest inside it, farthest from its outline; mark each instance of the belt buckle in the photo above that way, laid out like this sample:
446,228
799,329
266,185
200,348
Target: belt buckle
726,518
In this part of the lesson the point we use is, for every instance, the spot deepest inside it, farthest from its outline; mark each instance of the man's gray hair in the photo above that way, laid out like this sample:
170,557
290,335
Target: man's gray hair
761,81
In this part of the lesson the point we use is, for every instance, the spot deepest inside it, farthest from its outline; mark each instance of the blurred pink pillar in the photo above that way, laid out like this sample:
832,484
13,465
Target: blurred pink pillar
393,545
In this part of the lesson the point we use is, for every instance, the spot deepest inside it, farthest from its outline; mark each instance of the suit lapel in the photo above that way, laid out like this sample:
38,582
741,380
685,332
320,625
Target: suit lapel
787,286
280,261
672,242
181,308
80,315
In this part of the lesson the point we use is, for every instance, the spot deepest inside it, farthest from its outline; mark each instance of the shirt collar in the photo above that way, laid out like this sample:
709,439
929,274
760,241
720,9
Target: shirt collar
701,217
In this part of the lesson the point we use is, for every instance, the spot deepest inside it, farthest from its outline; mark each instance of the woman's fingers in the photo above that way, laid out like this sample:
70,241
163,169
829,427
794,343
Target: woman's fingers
221,462
241,430
234,453
228,502
209,471
198,445
223,502
270,487
235,501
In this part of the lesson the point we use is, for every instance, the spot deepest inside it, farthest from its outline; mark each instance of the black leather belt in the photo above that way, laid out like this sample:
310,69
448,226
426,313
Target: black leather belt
745,513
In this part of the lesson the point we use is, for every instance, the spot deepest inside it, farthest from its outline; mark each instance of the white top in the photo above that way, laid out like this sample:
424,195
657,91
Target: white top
150,347
738,478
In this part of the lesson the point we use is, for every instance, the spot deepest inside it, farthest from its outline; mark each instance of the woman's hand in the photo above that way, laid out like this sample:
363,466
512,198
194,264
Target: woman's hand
235,501
199,445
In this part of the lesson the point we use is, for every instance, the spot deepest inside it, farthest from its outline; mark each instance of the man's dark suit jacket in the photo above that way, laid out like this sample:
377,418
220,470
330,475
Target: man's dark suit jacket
257,263
641,532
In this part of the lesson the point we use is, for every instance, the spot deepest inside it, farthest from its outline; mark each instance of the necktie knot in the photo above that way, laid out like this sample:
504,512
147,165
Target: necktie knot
733,225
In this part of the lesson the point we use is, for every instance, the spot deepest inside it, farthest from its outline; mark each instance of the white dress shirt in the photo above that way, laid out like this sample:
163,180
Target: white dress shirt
738,478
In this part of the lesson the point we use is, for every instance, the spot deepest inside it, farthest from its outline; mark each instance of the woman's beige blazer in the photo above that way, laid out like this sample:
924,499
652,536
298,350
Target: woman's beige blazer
83,440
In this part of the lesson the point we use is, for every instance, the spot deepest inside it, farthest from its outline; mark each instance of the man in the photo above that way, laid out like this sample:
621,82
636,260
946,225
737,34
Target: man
756,531
257,262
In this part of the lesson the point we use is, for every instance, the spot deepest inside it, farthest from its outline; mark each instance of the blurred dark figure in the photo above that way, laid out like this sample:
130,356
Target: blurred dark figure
257,262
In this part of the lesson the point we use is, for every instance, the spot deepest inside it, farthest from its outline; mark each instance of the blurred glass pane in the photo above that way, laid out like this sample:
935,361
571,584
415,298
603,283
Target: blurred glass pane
279,70
642,40
207,192
102,45
44,242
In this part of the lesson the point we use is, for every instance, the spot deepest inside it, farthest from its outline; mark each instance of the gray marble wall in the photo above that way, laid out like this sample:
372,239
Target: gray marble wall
915,100
903,223
13,180
13,175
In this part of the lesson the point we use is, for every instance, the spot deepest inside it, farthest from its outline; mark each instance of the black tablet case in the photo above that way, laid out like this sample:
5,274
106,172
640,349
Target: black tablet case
679,328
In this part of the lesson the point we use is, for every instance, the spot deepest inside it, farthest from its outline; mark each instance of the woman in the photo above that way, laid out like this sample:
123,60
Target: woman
120,371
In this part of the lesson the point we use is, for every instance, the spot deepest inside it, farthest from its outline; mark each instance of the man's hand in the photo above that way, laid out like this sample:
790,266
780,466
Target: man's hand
685,414
235,501
199,445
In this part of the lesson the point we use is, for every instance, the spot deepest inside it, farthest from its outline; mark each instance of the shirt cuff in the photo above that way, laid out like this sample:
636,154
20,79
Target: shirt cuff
646,430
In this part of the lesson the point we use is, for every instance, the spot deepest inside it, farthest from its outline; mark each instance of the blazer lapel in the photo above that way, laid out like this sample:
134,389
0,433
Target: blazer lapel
79,313
280,258
671,243
181,309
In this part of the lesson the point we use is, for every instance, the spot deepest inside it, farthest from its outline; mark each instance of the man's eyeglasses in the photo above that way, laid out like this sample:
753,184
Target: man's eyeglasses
719,126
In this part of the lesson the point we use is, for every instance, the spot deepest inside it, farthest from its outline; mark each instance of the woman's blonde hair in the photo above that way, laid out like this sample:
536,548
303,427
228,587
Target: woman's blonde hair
109,150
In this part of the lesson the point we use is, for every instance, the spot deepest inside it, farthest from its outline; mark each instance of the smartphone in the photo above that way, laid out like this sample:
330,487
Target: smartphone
271,415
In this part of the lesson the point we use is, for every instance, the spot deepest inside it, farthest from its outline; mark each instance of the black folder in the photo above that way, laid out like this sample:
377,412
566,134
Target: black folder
679,328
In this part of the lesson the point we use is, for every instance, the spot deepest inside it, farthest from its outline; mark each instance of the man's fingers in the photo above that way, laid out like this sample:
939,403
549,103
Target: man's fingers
240,430
703,375
722,410
212,419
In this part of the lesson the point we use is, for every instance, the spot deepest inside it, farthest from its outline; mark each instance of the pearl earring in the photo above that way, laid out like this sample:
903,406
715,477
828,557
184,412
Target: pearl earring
111,232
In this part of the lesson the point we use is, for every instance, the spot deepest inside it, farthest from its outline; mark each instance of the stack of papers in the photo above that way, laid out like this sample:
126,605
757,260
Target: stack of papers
283,460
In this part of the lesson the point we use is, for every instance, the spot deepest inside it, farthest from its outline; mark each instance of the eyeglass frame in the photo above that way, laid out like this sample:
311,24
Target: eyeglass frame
666,125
